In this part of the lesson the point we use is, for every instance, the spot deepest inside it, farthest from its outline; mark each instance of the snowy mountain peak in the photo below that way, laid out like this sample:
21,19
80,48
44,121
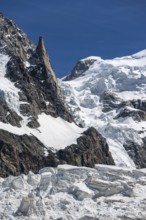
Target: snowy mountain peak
97,59
107,98
96,65
111,96
140,54
137,55
81,67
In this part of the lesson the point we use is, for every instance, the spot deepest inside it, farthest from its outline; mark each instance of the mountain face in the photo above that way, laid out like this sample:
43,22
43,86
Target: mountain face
36,128
39,135
111,96
30,69
80,68
38,115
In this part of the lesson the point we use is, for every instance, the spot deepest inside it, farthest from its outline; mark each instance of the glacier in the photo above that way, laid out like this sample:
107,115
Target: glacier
71,193
122,78
109,95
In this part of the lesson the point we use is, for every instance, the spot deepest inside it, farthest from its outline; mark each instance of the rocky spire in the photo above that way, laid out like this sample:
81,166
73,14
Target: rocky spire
43,56
41,50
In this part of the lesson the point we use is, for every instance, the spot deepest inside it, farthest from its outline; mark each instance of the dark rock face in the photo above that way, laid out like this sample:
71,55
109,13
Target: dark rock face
43,57
139,104
20,154
30,69
38,89
110,101
137,153
88,218
13,41
137,108
137,115
9,116
135,103
79,69
91,149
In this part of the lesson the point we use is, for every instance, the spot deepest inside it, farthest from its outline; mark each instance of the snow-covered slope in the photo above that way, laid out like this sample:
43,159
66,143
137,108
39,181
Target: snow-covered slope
8,91
111,96
29,93
71,193
53,132
36,128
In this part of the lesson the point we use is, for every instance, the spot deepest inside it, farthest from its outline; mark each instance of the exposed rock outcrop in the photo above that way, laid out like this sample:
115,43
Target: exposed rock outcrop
91,149
137,152
79,69
136,114
110,101
21,154
43,56
131,108
139,104
9,116
39,92
30,69
13,41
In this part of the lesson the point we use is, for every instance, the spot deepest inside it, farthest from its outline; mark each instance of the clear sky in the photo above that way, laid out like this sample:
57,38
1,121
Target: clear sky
75,29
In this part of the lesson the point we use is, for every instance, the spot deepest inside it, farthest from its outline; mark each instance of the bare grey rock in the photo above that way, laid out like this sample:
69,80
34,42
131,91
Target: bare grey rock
137,152
137,115
20,154
110,101
91,149
79,69
88,218
9,116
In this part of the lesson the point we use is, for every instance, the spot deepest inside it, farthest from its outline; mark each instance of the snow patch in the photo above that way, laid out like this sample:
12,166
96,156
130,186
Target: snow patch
53,132
8,91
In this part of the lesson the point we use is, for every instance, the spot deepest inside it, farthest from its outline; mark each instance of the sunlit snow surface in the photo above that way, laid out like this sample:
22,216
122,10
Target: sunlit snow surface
75,193
124,76
53,132
79,193
8,91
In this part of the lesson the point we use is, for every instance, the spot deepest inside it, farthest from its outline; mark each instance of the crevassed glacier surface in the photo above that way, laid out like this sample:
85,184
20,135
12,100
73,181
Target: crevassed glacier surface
123,77
71,193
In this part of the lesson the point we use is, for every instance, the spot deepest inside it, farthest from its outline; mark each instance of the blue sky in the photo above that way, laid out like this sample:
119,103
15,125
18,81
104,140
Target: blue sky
73,30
